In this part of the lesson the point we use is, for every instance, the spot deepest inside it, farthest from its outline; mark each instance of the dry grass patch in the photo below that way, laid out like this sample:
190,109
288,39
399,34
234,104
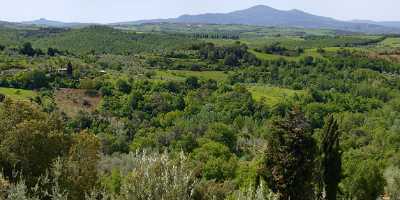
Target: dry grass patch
71,101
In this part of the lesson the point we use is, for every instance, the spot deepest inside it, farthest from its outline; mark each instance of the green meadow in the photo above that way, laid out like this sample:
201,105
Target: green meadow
17,94
271,95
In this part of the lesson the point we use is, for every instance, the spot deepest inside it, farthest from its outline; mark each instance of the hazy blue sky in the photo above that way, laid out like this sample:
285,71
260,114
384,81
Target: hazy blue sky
127,10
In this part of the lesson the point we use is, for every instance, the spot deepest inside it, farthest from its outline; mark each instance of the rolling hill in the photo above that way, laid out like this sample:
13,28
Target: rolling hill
104,39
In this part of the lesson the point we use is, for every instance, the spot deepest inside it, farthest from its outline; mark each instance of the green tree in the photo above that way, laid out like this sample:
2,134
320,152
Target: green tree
231,60
70,69
53,52
308,60
27,49
192,82
222,133
215,161
33,79
363,180
331,158
290,157
29,140
123,86
79,175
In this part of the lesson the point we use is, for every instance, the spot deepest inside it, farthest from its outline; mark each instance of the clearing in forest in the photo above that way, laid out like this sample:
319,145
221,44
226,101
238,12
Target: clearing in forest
71,101
271,95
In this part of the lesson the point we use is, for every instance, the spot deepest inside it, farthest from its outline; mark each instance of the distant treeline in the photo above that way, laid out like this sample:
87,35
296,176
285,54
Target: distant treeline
216,35
346,41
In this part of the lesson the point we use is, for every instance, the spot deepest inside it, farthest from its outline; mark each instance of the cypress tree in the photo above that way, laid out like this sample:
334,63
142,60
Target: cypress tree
69,69
290,157
331,163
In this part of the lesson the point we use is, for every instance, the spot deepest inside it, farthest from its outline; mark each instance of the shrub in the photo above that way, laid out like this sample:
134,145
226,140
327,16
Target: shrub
261,192
215,161
123,86
392,176
148,176
2,97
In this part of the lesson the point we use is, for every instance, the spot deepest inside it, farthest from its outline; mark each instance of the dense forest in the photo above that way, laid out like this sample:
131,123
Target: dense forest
105,113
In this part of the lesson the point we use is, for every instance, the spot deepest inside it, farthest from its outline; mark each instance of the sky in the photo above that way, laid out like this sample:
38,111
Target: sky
107,11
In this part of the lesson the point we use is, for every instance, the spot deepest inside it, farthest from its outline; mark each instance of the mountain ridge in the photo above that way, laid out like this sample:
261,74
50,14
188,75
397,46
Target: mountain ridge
381,23
43,22
259,15
262,15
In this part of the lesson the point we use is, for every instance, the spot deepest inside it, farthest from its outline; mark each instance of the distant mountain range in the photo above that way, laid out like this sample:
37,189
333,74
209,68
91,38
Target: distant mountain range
5,24
384,23
49,23
259,16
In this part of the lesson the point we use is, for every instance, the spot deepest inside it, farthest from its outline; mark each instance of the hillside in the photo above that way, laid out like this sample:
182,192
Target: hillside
101,39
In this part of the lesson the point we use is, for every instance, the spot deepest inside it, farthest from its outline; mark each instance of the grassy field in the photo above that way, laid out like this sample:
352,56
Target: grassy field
257,42
391,42
17,94
308,52
271,95
293,41
180,75
245,31
265,56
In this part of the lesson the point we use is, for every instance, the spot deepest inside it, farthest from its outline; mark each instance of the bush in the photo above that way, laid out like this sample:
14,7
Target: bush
4,187
35,79
2,97
215,161
261,192
192,82
29,139
79,171
91,93
148,176
392,176
123,86
88,84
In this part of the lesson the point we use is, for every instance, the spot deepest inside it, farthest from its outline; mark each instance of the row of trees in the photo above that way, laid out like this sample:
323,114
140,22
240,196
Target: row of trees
28,50
217,35
278,49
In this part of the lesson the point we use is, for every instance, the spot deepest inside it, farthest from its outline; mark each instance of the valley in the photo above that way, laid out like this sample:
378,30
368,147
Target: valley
243,108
